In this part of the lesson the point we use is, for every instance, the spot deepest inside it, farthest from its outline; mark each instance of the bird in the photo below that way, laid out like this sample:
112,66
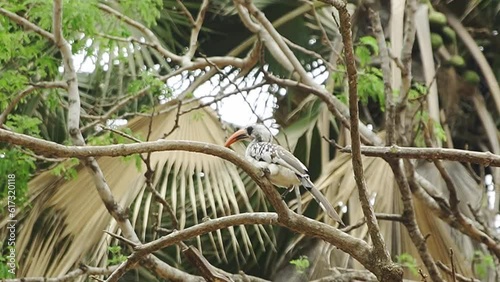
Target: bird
281,167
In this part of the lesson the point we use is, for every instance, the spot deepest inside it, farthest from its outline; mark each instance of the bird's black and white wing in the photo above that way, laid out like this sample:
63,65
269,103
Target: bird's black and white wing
284,166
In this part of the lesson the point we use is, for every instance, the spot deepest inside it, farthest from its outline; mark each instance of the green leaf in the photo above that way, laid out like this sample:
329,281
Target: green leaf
409,262
371,85
482,263
115,255
24,124
301,264
371,42
363,54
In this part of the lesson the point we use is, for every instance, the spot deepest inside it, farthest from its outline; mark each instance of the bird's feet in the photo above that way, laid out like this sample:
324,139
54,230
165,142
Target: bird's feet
283,195
264,172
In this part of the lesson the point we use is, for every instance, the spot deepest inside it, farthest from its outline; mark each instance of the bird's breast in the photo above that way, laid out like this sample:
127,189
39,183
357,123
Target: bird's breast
278,174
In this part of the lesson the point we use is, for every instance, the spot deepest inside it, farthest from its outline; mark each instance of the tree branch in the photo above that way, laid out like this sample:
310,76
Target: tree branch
482,158
193,40
459,277
70,276
409,219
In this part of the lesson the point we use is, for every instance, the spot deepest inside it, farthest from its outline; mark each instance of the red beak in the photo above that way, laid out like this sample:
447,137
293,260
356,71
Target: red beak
237,136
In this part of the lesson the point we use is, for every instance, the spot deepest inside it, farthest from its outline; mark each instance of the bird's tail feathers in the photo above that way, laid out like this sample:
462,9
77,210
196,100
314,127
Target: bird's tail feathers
321,199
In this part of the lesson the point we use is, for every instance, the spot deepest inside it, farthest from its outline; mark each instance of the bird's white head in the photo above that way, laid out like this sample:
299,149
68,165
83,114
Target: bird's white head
257,132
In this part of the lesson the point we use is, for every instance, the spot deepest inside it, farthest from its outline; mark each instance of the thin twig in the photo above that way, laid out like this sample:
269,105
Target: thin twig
121,238
82,270
453,271
193,40
390,107
458,277
176,122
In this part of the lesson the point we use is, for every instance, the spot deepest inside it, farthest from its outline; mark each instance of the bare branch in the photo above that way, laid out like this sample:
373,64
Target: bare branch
295,222
186,12
482,158
207,270
406,52
381,252
356,247
193,40
70,276
409,219
441,208
328,99
458,277
311,53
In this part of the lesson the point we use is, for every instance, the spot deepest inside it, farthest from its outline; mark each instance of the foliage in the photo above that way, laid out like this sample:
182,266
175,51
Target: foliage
14,161
67,169
4,269
425,125
115,255
301,264
482,264
408,262
370,82
24,124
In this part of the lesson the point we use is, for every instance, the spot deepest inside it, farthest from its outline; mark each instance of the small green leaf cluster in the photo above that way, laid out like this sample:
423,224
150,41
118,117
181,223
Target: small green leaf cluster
482,262
149,79
67,169
14,161
115,255
301,264
370,80
24,124
409,262
438,132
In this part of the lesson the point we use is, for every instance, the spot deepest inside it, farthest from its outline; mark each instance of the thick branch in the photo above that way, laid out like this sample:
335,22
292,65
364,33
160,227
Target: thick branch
482,158
379,245
410,222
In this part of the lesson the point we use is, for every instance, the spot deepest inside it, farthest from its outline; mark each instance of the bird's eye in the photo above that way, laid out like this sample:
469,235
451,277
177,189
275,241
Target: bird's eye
249,130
